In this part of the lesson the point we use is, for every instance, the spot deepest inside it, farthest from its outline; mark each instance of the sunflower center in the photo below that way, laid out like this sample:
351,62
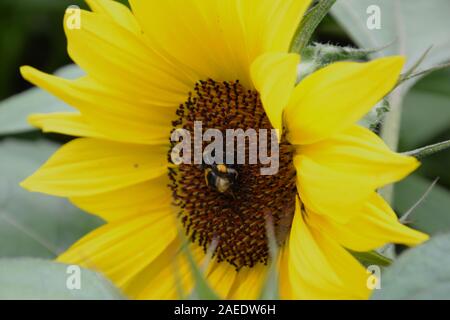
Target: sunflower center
231,205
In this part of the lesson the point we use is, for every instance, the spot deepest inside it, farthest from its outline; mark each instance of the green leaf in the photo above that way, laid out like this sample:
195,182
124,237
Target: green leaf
432,215
14,111
202,290
42,5
271,290
35,279
426,113
371,258
414,25
420,273
33,224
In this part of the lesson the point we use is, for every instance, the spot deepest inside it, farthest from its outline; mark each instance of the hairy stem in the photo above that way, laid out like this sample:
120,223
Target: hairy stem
429,150
309,24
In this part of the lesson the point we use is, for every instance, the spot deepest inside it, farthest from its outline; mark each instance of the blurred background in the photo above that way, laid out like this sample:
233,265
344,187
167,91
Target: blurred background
31,33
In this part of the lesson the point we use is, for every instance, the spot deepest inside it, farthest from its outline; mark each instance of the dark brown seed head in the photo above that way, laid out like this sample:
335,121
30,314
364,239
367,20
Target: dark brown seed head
236,219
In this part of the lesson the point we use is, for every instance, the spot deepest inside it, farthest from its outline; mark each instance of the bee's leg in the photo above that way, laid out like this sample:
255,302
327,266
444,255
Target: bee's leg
207,177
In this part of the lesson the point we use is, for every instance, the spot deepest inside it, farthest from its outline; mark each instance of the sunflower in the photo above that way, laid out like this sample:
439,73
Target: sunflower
163,65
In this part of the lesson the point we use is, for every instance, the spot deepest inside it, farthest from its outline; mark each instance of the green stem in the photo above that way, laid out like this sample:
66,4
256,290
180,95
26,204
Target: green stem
429,150
309,24
391,127
424,72
390,132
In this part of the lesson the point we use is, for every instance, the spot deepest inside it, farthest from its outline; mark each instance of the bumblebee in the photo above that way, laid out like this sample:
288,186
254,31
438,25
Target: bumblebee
220,177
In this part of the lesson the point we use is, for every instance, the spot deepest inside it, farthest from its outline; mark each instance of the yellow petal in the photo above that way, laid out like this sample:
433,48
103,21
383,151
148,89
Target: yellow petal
168,278
221,279
283,23
284,282
122,249
117,12
269,25
133,289
358,151
375,226
72,124
321,269
201,49
137,199
337,96
86,166
107,110
329,192
220,39
249,283
274,76
121,60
